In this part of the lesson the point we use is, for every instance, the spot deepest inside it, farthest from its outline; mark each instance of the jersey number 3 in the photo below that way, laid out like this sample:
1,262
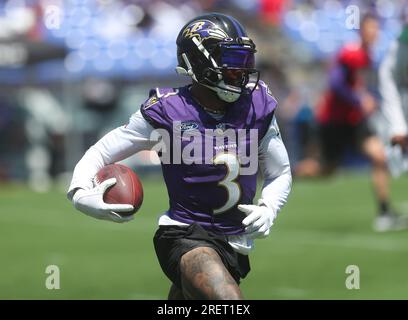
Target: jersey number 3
229,183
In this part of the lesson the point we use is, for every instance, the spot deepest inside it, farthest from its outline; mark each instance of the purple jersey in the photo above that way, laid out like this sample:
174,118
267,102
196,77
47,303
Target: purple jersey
206,187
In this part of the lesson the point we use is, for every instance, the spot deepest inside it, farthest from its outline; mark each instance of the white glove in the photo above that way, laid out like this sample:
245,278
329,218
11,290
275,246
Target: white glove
91,203
259,219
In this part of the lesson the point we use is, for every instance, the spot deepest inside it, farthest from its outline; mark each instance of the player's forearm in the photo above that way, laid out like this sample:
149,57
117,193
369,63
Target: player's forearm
275,191
275,168
85,170
115,146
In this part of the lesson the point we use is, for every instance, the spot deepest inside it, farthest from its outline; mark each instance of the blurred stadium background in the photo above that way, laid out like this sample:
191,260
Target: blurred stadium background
71,70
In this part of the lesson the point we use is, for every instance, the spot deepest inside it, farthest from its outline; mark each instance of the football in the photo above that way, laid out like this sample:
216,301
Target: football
127,190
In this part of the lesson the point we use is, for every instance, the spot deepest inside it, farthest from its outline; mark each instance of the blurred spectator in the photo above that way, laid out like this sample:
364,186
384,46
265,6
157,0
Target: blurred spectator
13,139
272,11
45,125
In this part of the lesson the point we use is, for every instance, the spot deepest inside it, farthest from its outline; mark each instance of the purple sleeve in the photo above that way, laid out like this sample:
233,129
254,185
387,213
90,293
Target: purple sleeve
338,83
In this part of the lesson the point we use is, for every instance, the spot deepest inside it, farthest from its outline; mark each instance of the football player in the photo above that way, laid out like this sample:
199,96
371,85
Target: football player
204,238
343,117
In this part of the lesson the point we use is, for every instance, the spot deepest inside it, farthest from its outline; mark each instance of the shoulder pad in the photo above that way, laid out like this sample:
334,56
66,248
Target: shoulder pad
156,108
155,95
163,92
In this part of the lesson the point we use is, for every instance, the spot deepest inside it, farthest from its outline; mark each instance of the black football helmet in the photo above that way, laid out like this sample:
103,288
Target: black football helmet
215,51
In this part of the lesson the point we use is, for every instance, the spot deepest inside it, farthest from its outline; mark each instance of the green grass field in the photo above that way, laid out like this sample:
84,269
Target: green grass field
325,226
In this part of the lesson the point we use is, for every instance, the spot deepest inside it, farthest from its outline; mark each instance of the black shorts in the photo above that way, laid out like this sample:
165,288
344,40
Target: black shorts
336,139
172,242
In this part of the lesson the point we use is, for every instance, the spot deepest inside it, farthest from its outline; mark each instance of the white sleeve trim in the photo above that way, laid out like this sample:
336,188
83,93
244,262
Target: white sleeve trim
116,145
275,167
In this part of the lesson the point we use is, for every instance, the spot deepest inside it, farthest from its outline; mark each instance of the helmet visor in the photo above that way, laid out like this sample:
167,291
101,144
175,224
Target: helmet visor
236,57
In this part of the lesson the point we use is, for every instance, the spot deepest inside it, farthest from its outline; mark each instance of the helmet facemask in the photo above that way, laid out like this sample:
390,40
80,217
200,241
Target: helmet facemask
227,67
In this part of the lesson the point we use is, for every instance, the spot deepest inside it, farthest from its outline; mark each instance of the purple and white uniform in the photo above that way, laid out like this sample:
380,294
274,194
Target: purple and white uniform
196,192
208,190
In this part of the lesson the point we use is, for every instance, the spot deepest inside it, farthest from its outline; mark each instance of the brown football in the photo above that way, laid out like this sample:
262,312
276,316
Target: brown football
128,188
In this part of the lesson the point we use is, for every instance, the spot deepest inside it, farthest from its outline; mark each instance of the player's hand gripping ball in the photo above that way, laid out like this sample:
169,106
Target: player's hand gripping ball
127,190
